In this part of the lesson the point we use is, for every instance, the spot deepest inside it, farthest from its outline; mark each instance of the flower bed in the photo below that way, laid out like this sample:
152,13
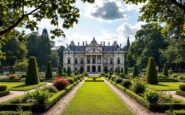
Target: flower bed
35,106
165,104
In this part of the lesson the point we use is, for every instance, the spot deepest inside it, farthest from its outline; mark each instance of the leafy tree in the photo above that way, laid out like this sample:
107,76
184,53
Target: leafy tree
165,70
135,72
59,70
151,72
14,51
54,58
29,12
125,70
61,54
44,49
32,76
169,12
49,71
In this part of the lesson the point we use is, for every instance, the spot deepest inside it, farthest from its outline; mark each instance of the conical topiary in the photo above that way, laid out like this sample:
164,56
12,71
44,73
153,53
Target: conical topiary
32,72
151,72
165,70
48,71
135,72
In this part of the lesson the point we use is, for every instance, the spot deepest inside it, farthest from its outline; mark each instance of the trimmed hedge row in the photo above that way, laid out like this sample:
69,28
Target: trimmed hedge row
15,113
182,93
167,80
176,112
160,107
4,93
36,107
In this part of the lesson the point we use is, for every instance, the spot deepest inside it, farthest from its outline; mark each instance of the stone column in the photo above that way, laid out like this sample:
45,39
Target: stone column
85,65
101,63
96,60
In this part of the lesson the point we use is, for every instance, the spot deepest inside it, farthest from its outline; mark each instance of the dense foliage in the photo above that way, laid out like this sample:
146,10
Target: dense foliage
151,72
32,76
49,71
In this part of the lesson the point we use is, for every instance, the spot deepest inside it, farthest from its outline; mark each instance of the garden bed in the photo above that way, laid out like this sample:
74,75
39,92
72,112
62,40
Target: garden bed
159,107
15,113
181,93
4,93
94,79
14,104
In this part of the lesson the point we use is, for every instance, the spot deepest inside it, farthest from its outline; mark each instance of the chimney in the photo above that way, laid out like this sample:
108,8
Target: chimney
78,43
86,43
67,45
83,43
120,45
108,43
103,43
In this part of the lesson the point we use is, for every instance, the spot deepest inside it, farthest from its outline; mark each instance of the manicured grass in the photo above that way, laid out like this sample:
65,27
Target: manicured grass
162,86
20,86
96,98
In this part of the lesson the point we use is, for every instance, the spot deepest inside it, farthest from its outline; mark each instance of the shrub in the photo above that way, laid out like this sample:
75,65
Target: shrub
32,72
51,88
162,76
182,87
151,96
126,84
181,77
174,75
113,77
122,75
138,86
75,78
48,71
118,80
125,70
135,72
40,96
151,73
60,83
70,80
69,71
23,76
165,70
3,87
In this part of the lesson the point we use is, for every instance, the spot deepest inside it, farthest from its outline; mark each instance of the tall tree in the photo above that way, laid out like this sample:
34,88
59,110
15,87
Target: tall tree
54,58
44,49
61,54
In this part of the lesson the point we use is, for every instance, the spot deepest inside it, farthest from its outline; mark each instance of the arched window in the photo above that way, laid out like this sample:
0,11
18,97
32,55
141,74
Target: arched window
76,61
111,60
68,60
118,60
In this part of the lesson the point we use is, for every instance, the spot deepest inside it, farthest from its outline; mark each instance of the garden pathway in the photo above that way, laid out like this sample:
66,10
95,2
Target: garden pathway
173,94
17,93
63,102
132,104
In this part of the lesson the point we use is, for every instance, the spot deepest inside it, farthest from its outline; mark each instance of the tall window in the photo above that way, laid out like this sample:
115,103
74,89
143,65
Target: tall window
68,61
118,61
111,61
76,61
82,61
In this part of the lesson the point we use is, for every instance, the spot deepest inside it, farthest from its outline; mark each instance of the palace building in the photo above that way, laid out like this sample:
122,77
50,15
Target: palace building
93,57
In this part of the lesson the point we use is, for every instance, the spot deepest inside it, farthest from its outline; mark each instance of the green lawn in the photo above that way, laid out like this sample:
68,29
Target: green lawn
165,86
20,86
96,98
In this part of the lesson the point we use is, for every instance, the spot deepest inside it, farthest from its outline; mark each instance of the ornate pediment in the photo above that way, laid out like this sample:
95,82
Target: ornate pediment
94,49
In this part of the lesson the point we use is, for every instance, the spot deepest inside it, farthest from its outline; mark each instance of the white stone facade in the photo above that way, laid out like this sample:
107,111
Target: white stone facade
94,57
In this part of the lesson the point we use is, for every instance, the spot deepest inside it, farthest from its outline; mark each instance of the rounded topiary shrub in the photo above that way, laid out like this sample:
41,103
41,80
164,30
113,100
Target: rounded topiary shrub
32,76
118,80
165,70
182,87
138,86
126,84
122,75
48,71
3,87
151,73
60,83
135,72
151,96
70,80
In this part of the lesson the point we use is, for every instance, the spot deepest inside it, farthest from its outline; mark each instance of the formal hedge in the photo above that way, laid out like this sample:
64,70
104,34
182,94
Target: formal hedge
175,112
4,93
151,73
32,76
33,106
167,80
49,71
182,93
159,107
15,113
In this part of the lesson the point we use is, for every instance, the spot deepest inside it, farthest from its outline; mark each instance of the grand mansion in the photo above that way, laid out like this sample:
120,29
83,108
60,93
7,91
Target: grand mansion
93,57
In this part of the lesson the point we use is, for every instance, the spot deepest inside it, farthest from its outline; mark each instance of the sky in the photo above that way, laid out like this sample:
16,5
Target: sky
105,20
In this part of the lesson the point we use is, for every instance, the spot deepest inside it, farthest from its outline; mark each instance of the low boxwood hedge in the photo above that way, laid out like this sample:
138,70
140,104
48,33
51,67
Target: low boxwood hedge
35,107
175,112
4,93
15,113
182,93
167,80
160,107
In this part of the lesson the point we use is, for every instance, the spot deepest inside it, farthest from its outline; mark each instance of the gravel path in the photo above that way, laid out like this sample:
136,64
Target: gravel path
59,107
132,104
173,94
17,93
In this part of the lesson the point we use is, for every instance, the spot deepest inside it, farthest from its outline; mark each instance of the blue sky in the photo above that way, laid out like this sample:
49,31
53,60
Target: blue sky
106,20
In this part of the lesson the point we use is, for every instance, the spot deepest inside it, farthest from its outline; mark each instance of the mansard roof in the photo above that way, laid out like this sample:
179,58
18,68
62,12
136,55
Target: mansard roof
113,47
